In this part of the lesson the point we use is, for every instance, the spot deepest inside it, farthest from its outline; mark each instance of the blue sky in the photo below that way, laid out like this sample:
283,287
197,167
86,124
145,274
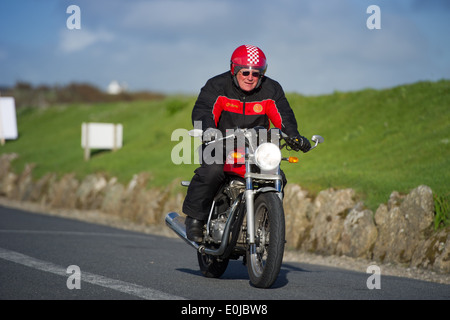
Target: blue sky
313,47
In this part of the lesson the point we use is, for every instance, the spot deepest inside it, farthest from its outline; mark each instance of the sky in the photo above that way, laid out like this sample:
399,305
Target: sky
174,46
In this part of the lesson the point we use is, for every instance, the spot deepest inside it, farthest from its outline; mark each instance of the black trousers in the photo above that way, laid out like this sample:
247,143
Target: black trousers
203,187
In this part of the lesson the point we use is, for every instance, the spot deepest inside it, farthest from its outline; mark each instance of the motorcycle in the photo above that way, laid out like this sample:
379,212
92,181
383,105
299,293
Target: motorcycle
246,217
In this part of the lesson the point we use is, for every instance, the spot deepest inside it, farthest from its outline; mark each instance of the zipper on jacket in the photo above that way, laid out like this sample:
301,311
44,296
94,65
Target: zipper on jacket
243,111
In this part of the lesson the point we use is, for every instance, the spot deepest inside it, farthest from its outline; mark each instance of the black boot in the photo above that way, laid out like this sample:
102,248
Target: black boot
194,229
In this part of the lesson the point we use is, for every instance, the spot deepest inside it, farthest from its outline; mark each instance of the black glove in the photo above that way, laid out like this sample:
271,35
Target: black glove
210,134
298,143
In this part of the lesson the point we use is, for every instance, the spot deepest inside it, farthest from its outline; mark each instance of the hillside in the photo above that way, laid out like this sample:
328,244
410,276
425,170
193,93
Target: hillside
376,141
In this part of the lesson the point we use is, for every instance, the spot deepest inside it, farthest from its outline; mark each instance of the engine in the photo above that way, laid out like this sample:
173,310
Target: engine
222,209
217,227
234,188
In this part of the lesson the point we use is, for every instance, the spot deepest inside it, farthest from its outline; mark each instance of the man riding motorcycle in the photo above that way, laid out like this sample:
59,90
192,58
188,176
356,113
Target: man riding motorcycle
240,98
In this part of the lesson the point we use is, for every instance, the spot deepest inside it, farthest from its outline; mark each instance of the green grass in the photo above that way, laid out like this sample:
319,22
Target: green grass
376,141
442,208
51,138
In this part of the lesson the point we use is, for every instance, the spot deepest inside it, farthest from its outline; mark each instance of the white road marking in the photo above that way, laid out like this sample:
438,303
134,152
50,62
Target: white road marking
118,285
75,233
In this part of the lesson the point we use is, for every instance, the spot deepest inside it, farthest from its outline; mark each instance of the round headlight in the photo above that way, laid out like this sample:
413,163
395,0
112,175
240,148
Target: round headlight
267,156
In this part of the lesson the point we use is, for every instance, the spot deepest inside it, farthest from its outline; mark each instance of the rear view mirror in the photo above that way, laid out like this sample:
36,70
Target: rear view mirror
317,139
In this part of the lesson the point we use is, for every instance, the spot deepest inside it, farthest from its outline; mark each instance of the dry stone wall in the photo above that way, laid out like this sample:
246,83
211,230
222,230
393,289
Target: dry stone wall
401,231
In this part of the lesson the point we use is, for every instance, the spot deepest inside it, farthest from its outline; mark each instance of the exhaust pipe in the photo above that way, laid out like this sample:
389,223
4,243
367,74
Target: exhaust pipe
177,223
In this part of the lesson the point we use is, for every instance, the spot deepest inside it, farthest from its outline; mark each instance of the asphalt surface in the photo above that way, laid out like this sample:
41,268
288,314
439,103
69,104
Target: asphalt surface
38,254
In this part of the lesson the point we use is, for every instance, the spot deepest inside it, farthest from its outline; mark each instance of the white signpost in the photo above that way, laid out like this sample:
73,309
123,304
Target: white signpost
8,121
96,135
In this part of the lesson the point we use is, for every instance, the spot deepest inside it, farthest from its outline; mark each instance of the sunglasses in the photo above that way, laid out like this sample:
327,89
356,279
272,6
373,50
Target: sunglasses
255,74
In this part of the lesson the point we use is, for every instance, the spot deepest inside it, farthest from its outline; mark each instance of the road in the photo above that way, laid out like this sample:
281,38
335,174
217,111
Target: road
43,256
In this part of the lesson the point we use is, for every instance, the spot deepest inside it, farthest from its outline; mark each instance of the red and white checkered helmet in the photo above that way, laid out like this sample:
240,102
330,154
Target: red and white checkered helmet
248,56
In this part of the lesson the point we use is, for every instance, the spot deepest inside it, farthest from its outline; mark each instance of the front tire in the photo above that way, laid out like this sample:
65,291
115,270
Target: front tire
265,257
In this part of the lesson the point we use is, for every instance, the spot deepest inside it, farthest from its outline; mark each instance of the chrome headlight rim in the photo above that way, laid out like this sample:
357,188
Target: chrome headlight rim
267,156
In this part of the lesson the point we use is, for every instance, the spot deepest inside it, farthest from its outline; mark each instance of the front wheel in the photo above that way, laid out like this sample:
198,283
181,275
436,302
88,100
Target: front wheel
265,257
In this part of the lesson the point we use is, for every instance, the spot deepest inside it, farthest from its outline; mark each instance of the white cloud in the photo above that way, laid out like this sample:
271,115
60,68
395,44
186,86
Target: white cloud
332,49
77,40
164,14
173,45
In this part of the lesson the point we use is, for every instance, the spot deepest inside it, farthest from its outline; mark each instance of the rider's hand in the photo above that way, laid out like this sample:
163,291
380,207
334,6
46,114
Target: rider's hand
210,134
298,143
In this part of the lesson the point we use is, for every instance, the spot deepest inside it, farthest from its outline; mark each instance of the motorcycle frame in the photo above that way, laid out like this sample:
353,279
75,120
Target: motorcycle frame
249,196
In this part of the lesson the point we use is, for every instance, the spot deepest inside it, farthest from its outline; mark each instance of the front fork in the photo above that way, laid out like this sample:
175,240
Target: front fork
250,204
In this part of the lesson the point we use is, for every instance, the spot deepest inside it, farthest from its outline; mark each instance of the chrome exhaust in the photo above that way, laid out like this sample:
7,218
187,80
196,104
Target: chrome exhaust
177,223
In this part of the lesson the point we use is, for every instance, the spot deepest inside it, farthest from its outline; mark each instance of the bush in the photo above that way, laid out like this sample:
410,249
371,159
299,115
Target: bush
43,95
442,209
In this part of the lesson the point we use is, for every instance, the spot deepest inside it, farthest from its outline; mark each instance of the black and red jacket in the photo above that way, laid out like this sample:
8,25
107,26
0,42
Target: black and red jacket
222,105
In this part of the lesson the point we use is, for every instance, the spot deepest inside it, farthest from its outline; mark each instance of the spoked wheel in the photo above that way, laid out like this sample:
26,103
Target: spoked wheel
265,257
211,266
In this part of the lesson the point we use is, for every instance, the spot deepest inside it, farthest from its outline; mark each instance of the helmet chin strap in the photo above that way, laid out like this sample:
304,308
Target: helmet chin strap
259,82
236,83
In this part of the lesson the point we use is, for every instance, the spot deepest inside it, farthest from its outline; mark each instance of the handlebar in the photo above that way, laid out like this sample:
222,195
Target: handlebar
315,138
198,133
